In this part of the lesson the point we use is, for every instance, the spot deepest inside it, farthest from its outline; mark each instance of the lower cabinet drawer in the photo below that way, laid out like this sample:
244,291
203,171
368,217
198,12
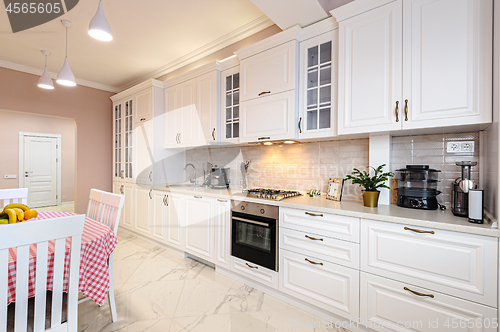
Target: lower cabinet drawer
255,272
388,305
326,285
325,248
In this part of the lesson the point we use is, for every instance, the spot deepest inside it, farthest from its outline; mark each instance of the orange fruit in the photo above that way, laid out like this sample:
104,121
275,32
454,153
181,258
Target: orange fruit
29,214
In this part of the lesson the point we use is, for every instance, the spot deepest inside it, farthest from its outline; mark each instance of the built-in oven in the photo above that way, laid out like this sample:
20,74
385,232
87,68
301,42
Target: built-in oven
254,233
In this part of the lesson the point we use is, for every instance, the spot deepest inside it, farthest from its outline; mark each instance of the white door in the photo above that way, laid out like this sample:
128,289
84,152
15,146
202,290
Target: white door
173,117
143,103
189,114
447,53
370,70
223,233
40,170
143,207
206,91
199,226
174,236
159,213
128,211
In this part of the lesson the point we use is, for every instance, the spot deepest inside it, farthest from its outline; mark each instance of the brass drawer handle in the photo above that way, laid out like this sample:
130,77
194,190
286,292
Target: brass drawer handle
198,197
221,200
418,293
150,191
397,111
406,110
165,200
252,267
314,214
313,238
300,129
143,119
213,134
149,176
315,263
264,92
418,230
261,138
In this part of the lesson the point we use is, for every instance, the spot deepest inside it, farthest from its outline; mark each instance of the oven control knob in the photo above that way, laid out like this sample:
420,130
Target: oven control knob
262,211
242,207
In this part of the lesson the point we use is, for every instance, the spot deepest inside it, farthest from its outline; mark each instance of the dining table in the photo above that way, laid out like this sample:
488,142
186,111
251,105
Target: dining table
98,242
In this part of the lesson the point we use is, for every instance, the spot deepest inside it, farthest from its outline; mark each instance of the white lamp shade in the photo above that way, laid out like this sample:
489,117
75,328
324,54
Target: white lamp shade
99,27
45,82
65,76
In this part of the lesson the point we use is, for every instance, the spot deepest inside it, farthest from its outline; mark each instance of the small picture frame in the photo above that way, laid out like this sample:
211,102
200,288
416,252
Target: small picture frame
335,187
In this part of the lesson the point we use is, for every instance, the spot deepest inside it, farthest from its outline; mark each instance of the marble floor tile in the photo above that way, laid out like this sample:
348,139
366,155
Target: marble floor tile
159,290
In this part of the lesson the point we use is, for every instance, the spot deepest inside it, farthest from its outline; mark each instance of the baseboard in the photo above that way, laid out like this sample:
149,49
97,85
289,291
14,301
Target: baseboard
68,203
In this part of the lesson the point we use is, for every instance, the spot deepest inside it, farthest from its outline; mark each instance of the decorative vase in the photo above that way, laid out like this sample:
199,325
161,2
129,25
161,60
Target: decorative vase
370,198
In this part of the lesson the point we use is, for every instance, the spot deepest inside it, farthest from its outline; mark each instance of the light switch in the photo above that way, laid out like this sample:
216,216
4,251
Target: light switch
10,177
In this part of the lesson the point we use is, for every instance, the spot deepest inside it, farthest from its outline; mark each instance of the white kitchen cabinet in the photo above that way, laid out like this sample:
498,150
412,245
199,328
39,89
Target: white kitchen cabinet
118,189
269,72
144,106
458,264
175,231
123,111
191,102
414,64
388,305
447,56
230,100
143,210
160,214
255,272
143,158
223,232
269,118
370,70
128,209
318,86
326,285
199,226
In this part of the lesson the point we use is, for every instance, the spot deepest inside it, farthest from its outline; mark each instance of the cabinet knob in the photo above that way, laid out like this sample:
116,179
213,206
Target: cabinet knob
397,111
149,176
406,110
300,129
143,119
213,134
150,191
264,92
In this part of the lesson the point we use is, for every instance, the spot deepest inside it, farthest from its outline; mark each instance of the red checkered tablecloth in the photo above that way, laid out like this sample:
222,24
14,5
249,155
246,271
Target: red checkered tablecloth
98,242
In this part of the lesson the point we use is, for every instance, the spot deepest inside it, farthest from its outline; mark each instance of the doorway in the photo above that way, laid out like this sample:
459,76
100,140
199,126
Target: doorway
40,168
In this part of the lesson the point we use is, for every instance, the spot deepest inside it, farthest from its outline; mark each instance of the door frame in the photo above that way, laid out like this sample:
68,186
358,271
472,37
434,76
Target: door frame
22,134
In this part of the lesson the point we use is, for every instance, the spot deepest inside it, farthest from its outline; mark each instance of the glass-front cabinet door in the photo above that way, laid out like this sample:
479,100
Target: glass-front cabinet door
122,126
230,105
318,105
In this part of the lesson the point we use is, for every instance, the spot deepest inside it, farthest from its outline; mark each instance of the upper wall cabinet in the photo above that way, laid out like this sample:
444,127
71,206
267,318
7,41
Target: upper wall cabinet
230,101
131,108
414,64
318,81
191,102
269,81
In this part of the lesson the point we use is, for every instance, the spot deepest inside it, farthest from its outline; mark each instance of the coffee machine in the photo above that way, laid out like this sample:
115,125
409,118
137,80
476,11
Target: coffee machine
218,178
461,187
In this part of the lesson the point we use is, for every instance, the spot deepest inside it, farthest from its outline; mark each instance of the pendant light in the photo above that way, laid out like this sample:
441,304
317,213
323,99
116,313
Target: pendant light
45,82
99,27
65,76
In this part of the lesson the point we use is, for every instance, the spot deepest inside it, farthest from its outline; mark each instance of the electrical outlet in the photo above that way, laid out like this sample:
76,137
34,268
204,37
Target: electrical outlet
453,147
10,177
467,147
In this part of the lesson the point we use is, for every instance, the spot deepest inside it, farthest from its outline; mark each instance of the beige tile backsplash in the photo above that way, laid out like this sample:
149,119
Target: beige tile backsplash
301,166
431,150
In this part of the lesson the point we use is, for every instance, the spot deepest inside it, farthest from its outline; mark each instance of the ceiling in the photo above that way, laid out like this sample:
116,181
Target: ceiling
147,36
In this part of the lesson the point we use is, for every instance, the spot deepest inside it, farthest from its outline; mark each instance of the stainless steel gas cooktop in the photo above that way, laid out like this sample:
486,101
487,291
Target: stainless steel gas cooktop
271,194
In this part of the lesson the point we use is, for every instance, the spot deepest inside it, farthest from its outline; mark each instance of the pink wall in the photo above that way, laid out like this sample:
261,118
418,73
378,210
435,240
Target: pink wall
14,122
92,110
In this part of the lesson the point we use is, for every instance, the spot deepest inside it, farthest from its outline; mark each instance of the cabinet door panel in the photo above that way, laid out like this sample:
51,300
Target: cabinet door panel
189,114
223,232
174,236
206,90
143,200
159,214
272,117
173,117
462,265
370,70
118,189
387,306
198,228
143,106
272,70
128,211
143,152
446,81
329,286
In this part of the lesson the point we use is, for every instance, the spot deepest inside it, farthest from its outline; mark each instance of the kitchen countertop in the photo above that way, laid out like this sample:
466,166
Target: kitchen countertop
436,219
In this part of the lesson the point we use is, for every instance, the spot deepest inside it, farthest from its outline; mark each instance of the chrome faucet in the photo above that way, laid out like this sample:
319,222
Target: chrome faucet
193,181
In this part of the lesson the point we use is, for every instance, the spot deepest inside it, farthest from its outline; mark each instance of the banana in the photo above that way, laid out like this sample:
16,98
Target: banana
16,205
4,221
19,213
4,215
12,215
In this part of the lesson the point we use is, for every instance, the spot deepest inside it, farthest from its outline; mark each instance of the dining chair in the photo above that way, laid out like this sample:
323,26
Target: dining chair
94,205
49,263
16,195
109,214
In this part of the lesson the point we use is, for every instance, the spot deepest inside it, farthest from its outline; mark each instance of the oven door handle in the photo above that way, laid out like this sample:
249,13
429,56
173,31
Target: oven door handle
251,221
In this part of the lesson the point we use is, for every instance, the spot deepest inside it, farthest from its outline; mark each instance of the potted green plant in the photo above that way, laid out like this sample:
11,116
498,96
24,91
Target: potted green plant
371,184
